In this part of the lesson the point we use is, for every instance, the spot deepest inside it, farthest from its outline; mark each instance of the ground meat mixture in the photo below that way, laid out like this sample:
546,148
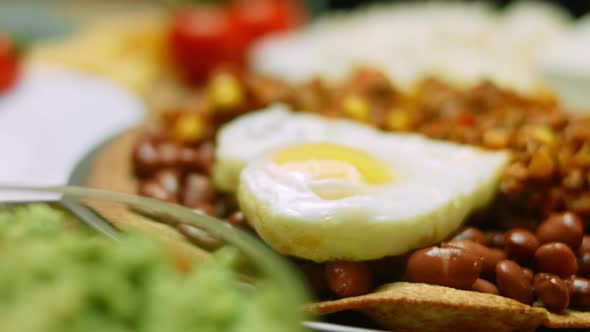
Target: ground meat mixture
529,245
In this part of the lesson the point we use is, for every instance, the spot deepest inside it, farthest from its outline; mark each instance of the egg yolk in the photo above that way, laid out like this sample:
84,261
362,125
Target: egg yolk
333,161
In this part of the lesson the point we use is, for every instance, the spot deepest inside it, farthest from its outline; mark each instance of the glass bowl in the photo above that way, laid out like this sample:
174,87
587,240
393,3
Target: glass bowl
114,215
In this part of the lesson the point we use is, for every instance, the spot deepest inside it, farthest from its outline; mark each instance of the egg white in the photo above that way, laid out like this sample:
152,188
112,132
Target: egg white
435,186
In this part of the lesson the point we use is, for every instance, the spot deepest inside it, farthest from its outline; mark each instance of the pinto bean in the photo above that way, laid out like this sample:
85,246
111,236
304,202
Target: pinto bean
552,291
556,258
563,227
513,282
450,266
347,279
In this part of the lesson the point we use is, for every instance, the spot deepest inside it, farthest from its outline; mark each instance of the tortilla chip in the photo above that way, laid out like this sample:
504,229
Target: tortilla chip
113,171
407,306
569,320
113,168
420,307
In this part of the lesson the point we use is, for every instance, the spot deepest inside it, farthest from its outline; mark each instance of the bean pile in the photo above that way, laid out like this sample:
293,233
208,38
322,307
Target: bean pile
529,245
550,264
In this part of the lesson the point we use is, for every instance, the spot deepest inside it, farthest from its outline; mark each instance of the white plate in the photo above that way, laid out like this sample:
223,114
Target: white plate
53,117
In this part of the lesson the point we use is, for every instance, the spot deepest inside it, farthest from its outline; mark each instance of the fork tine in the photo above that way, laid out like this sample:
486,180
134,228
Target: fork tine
90,218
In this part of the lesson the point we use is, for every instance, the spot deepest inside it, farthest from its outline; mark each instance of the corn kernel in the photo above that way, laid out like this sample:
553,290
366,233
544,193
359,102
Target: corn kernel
496,138
541,165
188,127
542,134
398,120
356,108
225,92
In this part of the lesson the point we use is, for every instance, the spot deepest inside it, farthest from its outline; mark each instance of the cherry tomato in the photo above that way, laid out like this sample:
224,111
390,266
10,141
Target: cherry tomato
8,63
203,38
258,18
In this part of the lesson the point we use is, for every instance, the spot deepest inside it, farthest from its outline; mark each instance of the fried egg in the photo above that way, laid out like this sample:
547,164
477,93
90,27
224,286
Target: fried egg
325,189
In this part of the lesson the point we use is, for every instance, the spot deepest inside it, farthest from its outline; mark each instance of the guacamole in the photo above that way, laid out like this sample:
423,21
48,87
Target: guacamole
56,279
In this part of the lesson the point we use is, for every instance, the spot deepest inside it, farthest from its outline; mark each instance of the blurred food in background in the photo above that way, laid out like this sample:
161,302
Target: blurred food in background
460,42
205,37
128,48
155,50
566,65
138,48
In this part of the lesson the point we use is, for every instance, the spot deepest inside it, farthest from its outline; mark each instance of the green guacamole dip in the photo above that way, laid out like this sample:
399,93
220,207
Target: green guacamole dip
59,280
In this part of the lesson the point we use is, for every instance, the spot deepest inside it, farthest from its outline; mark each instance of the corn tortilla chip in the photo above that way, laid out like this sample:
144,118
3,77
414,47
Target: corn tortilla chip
407,306
570,319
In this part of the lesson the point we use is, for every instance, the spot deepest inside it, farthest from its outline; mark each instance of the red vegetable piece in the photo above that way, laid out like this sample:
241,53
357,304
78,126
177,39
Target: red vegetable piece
9,72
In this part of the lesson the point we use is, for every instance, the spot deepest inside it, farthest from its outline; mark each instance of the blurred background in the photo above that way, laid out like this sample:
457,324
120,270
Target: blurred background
49,17
506,37
575,7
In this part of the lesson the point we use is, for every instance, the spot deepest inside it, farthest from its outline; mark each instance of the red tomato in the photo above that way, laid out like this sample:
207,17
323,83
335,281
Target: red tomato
257,18
203,38
8,64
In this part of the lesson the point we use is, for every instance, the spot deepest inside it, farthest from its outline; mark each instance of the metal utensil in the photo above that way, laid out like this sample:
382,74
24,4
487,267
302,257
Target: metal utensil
330,327
90,218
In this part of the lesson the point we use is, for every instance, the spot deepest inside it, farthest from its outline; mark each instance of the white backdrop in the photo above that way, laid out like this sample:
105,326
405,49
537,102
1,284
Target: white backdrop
53,118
